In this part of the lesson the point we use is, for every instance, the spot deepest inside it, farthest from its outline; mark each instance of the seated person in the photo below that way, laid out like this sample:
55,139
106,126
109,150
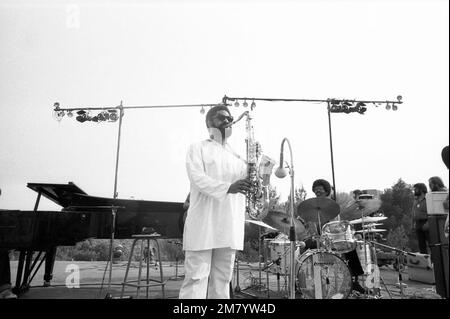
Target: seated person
5,276
322,188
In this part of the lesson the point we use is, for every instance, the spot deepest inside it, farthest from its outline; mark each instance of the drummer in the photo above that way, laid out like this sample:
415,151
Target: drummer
322,188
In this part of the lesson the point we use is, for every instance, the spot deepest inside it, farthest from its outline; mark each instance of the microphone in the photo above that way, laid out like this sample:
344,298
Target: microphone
281,172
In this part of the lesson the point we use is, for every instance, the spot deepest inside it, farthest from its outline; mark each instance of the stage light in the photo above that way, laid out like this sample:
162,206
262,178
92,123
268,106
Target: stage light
202,111
253,105
69,114
394,107
334,102
58,115
388,107
399,98
236,104
101,117
113,115
347,103
245,104
81,118
56,105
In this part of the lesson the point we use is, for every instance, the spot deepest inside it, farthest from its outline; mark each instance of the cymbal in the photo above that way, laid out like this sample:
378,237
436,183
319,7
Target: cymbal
282,222
372,225
367,220
360,208
371,231
311,209
260,223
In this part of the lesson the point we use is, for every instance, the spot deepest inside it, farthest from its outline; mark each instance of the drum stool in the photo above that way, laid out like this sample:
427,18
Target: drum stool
149,282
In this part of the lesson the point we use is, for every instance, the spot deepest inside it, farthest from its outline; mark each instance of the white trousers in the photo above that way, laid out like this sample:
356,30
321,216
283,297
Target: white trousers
208,274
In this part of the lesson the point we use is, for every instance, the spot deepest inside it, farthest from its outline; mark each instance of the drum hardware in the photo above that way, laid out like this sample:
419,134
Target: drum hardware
400,260
177,258
237,289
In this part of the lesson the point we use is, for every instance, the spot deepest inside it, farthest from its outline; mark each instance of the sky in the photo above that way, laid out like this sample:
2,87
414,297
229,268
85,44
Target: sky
103,53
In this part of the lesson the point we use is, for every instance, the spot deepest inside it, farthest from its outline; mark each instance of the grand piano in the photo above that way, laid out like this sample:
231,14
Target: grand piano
36,234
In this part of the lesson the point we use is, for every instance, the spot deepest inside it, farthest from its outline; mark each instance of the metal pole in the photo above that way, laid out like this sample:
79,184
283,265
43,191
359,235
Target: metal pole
331,150
118,149
292,228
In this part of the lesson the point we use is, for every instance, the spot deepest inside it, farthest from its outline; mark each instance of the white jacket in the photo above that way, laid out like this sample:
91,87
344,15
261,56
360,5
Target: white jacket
215,218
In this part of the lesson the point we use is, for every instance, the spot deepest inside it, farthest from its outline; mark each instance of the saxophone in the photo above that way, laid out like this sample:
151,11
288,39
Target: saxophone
258,174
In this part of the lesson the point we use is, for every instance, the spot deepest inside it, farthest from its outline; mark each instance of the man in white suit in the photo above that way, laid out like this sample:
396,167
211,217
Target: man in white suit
214,226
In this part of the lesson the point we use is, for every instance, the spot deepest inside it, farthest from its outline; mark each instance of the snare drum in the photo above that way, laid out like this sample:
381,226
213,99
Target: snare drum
323,275
339,236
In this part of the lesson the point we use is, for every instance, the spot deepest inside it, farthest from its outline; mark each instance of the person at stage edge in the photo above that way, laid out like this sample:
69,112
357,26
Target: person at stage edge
420,217
445,159
5,275
214,226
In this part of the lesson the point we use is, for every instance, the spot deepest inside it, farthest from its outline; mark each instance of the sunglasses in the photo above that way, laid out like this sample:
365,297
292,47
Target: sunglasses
222,117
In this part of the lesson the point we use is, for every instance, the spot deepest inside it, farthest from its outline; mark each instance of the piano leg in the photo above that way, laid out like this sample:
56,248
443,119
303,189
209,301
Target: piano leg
27,271
49,263
16,289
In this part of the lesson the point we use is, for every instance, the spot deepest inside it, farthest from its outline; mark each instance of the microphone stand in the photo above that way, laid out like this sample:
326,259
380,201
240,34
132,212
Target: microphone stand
292,227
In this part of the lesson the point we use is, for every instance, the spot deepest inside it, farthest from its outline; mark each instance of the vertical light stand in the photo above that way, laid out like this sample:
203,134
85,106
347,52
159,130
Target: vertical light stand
118,149
331,151
111,243
114,209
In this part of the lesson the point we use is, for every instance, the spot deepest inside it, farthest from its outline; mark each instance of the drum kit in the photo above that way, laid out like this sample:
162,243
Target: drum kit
321,271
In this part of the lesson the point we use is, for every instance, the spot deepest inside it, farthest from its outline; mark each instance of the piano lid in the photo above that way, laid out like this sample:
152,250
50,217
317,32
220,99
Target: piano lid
133,205
60,194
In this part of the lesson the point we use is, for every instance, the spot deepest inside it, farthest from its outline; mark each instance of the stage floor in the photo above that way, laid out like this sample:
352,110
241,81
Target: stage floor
92,274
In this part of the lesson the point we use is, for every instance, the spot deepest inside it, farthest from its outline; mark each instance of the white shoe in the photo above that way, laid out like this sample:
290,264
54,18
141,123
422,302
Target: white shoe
7,294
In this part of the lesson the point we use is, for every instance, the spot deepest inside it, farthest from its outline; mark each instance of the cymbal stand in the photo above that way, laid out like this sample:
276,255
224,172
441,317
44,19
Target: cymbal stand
259,258
177,258
381,277
267,271
400,258
365,269
237,288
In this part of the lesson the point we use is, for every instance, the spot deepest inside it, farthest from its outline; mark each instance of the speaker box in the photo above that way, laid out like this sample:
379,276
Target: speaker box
439,253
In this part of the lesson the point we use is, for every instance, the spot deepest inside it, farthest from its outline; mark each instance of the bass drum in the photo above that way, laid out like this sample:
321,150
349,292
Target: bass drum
323,275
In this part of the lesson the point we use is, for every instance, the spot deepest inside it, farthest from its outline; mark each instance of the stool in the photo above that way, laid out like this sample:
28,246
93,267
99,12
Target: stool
137,283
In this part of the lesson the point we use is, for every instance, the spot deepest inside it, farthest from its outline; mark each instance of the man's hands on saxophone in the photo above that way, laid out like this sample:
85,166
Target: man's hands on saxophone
241,186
